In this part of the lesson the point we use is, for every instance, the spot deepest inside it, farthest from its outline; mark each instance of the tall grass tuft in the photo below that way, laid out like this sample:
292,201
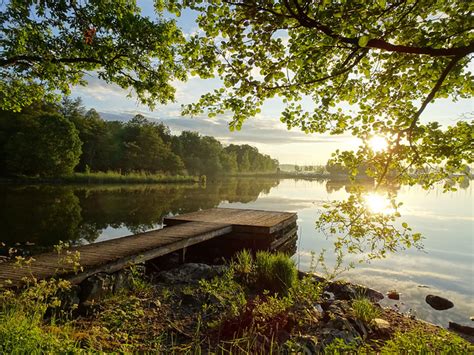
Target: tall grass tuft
275,272
365,310
243,262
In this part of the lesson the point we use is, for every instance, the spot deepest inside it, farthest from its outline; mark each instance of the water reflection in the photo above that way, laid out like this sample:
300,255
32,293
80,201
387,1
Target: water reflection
378,203
43,215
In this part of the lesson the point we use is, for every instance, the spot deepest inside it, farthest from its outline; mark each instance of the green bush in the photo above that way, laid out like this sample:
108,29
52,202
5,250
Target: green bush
275,272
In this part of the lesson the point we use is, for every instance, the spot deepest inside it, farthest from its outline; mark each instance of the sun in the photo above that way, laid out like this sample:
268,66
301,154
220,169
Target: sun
378,144
378,204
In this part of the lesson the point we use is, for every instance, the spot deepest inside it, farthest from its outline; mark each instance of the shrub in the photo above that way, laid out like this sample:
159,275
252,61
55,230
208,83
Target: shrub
225,296
365,310
275,272
306,291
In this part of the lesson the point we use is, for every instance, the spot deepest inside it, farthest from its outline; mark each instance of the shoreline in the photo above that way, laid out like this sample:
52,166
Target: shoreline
101,179
219,308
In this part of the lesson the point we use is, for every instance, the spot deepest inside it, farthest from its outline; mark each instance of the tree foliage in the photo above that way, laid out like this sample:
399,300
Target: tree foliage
38,141
48,46
46,139
386,59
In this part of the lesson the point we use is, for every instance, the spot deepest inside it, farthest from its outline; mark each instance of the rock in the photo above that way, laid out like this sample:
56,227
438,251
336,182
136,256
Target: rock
70,298
423,286
472,318
338,308
123,280
96,287
316,278
329,335
360,327
329,296
411,313
191,273
393,295
439,303
189,299
464,329
344,290
347,291
340,323
382,326
318,308
306,344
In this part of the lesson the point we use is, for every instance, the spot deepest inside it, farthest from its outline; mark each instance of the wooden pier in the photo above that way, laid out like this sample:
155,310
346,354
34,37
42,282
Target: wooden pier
265,229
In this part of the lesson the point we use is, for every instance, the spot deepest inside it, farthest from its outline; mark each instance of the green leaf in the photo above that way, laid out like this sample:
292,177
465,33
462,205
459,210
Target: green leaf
363,41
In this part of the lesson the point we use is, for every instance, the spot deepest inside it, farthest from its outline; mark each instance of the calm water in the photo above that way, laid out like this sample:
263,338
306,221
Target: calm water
36,217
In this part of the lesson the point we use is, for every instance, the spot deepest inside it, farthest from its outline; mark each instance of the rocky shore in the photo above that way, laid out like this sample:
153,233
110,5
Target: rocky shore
194,296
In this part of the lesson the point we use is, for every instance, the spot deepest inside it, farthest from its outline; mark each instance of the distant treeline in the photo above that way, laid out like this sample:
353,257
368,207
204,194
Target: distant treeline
55,140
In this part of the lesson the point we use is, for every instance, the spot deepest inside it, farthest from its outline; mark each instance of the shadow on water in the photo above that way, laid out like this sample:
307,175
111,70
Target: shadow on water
36,217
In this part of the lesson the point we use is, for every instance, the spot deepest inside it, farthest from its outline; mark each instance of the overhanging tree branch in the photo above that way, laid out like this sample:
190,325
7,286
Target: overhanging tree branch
299,14
433,91
38,59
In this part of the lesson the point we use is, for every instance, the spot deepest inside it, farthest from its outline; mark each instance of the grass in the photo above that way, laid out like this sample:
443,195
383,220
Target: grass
415,341
419,342
227,314
365,310
275,272
243,262
111,177
20,333
22,327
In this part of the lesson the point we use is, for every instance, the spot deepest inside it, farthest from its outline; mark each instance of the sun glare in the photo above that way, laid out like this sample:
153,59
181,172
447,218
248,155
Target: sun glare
378,144
378,204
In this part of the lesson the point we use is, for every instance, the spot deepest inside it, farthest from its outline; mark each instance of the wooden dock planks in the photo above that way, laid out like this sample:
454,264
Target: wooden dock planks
243,220
115,254
263,229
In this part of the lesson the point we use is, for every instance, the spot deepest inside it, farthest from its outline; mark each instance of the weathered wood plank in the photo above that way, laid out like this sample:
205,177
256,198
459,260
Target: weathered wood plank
250,226
246,221
112,255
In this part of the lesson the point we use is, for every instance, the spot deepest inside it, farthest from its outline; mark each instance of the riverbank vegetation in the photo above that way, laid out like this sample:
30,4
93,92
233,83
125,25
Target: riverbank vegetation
68,142
255,304
105,177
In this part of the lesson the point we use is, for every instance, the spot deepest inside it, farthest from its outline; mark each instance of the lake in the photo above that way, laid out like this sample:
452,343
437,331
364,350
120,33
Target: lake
33,218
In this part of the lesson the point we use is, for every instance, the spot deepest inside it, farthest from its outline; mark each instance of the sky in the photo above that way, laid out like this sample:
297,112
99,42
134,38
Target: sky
265,131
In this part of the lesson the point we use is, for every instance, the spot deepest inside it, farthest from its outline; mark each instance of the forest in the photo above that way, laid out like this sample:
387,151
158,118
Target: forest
51,140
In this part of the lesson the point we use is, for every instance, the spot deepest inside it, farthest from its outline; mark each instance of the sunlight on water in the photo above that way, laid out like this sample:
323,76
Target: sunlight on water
377,203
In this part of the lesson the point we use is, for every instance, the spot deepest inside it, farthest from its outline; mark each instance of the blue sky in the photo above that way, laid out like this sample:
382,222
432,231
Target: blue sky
266,132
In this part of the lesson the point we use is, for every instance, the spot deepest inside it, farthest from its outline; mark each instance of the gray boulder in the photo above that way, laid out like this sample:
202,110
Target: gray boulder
96,287
191,273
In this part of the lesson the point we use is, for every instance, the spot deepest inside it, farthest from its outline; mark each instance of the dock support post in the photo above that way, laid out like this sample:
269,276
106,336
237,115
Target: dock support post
182,256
